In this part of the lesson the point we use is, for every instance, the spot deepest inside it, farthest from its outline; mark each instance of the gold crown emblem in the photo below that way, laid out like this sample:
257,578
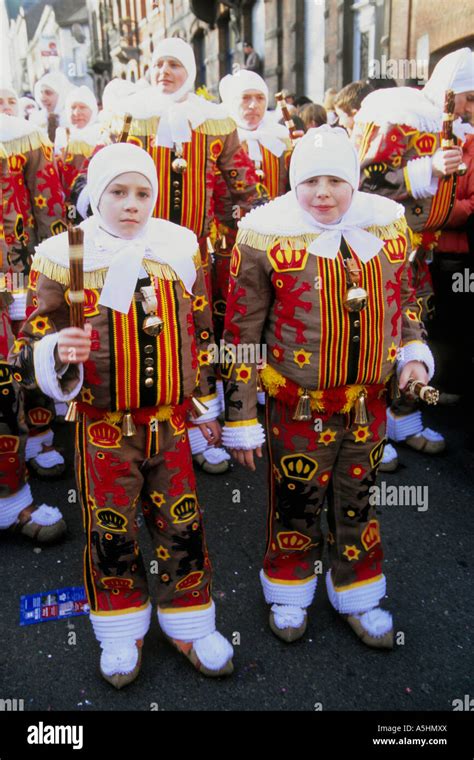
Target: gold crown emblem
104,435
235,262
299,466
5,374
58,227
293,540
9,444
40,416
426,143
396,249
111,520
118,583
185,509
287,259
371,534
190,581
17,162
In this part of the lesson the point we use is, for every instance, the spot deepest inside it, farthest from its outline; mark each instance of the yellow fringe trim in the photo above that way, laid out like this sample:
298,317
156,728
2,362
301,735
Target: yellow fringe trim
262,242
80,148
95,279
23,144
273,381
161,415
146,127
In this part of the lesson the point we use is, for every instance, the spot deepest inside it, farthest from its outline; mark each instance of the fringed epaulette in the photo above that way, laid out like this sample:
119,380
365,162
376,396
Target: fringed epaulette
80,148
147,127
217,126
31,141
262,241
96,278
197,259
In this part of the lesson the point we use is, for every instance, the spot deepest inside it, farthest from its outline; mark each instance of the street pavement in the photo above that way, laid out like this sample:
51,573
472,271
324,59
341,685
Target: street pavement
428,567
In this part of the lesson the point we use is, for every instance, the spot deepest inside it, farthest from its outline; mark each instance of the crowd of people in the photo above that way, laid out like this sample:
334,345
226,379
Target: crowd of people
330,238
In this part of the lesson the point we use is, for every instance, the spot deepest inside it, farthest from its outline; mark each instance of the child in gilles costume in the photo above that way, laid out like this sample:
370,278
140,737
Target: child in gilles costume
301,268
124,370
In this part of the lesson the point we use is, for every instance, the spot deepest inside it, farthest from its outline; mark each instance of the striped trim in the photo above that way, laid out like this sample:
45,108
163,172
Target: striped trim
271,171
193,204
83,485
242,423
335,324
162,160
442,203
126,611
366,139
371,323
168,348
358,584
177,610
289,583
126,357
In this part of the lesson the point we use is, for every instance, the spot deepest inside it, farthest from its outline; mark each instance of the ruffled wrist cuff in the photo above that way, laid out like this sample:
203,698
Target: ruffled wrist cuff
214,409
420,180
246,436
17,309
46,374
416,352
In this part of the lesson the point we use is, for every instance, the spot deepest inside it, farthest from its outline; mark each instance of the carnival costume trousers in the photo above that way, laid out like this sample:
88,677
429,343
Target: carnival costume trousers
306,465
113,472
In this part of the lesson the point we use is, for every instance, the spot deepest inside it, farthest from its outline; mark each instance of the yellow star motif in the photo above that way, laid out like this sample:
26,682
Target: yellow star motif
40,201
351,552
158,499
40,325
18,345
361,434
203,357
86,396
199,303
243,373
302,357
392,352
327,436
162,553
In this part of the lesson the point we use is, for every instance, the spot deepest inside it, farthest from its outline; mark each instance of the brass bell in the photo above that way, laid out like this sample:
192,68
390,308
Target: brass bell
303,408
198,407
259,171
223,243
360,409
128,425
152,325
462,169
72,413
355,298
179,165
209,246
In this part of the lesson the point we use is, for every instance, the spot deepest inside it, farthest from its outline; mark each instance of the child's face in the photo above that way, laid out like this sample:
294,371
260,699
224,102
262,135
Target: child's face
49,99
80,115
169,75
326,198
126,204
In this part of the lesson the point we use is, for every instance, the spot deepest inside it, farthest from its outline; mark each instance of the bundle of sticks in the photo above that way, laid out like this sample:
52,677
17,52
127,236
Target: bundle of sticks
76,269
447,136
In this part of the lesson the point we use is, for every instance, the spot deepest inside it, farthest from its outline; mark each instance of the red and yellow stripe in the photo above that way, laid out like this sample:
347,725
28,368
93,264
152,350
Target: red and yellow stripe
367,135
167,344
335,324
441,204
162,160
82,475
371,323
194,184
126,359
271,171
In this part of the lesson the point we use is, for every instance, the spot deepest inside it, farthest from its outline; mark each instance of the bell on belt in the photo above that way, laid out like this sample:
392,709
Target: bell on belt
198,407
128,425
152,324
360,410
303,408
179,164
259,171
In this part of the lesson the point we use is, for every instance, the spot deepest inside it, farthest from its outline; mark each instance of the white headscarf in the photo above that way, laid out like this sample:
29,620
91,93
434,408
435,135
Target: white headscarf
24,102
454,71
268,133
56,81
176,111
159,239
11,93
89,134
328,151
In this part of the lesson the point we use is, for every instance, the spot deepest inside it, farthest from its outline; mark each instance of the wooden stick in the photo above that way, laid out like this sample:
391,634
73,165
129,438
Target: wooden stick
127,122
289,123
76,269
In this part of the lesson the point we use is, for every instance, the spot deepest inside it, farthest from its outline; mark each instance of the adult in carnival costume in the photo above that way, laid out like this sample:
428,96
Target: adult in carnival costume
399,141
